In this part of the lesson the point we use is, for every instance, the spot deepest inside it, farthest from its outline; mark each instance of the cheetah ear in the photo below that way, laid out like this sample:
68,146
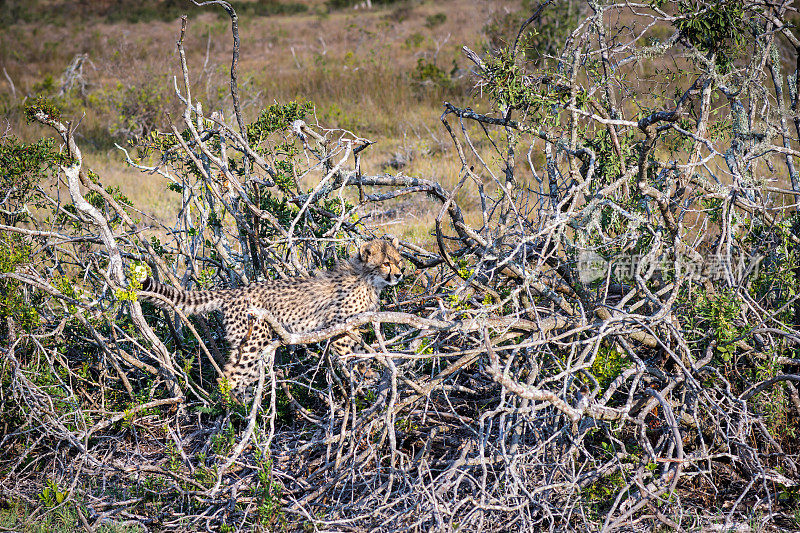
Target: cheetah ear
363,252
396,242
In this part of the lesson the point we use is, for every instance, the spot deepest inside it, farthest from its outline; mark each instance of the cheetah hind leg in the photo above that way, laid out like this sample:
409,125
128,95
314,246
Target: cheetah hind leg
241,371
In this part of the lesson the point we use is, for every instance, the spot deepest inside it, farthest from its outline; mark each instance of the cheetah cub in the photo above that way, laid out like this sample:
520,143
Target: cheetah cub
301,305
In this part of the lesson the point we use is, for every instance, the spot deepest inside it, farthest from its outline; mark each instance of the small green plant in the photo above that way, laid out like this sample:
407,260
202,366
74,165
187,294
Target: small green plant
23,166
796,516
174,458
414,40
465,271
713,208
136,273
604,491
225,391
46,86
609,165
270,512
437,19
406,424
608,364
52,495
428,73
222,441
456,303
425,347
203,473
720,311
205,278
367,400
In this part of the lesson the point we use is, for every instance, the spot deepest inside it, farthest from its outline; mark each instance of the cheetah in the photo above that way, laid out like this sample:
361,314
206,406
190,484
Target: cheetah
301,305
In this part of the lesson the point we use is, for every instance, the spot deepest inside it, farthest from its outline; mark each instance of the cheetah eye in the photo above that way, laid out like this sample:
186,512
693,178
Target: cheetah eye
386,263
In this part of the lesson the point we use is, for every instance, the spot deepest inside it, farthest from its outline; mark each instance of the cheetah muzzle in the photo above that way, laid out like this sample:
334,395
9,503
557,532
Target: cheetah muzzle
300,304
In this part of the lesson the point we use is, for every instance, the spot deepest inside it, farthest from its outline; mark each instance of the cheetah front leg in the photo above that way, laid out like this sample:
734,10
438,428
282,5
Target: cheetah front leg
345,345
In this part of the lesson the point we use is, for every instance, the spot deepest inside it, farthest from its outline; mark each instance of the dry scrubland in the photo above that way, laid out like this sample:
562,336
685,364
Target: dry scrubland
359,68
601,332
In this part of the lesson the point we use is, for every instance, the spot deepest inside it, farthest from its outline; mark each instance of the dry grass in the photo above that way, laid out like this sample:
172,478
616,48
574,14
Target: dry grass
355,65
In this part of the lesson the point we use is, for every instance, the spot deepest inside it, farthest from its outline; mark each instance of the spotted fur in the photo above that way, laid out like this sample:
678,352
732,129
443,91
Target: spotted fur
300,304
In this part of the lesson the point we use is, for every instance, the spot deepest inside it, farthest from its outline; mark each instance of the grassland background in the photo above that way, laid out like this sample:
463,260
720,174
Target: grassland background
382,73
362,68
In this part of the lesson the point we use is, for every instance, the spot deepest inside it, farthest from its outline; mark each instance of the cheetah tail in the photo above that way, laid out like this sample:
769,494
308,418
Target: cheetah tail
190,302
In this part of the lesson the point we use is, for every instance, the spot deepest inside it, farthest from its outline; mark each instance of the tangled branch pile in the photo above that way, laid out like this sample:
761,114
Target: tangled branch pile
604,334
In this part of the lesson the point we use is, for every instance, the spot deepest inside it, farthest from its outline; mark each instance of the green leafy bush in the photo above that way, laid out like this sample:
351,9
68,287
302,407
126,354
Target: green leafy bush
437,19
719,28
140,109
428,73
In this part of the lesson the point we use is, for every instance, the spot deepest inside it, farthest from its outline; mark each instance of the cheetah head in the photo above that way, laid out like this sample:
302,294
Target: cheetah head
382,262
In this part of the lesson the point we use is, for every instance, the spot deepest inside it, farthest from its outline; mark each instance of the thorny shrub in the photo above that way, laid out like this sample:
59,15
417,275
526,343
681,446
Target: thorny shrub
609,342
